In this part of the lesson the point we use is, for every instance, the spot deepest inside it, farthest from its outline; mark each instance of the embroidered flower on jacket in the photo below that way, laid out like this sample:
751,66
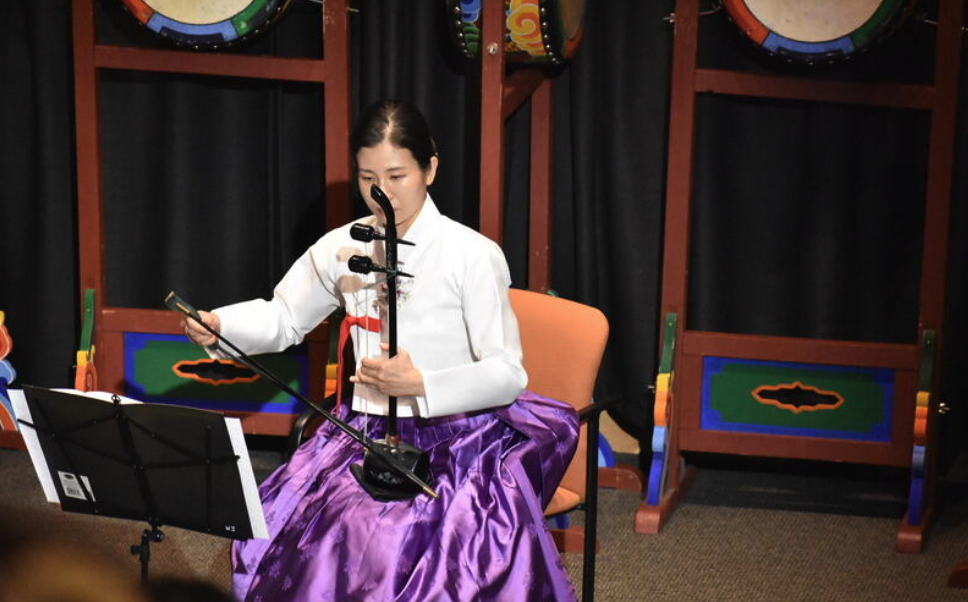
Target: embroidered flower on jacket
404,290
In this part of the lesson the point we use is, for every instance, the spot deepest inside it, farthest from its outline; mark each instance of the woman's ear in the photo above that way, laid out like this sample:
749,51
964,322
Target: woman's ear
431,172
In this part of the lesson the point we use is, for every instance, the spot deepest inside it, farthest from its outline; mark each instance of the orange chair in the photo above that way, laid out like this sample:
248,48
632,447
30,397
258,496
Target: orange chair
563,343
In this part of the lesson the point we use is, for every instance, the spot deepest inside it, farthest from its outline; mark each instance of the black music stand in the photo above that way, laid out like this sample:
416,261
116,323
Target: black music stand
162,464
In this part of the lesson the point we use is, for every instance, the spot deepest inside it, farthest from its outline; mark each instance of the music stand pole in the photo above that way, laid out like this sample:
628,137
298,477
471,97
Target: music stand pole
143,551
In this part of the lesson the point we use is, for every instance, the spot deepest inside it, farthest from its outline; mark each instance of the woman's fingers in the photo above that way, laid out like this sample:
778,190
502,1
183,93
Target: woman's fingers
196,333
393,376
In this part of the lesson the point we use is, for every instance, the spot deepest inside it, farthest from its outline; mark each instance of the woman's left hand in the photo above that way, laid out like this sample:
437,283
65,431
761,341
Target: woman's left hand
395,376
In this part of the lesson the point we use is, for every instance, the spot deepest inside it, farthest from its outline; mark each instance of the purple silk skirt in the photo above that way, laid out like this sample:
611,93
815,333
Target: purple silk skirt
484,539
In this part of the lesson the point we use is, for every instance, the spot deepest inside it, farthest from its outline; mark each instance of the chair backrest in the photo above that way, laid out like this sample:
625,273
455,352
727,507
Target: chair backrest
563,343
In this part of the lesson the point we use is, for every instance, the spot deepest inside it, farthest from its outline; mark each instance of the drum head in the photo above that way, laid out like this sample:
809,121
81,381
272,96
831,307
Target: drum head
817,30
535,31
206,23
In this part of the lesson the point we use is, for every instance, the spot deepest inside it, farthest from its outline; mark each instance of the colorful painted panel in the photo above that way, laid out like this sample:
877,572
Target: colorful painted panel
662,411
167,368
804,400
8,421
922,412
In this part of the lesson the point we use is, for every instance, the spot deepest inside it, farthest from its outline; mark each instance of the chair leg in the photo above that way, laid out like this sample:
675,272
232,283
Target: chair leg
591,512
569,540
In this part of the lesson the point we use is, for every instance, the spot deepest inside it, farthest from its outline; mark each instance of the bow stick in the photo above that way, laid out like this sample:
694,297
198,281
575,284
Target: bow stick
179,305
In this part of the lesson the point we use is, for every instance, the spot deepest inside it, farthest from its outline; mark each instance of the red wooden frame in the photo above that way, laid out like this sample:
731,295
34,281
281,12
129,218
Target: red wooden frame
684,434
502,95
332,72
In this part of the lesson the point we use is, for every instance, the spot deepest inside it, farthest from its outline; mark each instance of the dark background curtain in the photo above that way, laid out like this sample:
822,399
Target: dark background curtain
38,240
807,217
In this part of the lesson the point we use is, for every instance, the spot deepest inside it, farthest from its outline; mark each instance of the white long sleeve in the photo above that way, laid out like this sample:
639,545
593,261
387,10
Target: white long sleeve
302,299
481,366
453,316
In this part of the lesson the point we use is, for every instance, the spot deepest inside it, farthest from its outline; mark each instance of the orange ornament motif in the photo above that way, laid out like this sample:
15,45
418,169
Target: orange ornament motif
524,26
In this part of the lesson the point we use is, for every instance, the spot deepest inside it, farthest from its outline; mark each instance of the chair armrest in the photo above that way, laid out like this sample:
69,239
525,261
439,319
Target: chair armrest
595,408
298,430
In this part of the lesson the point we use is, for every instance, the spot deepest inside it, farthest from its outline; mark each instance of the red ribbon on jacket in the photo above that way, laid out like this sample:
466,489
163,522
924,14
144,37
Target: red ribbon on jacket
366,323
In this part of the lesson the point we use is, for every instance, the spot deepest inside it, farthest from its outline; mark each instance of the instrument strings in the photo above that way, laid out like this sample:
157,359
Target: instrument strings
363,333
372,281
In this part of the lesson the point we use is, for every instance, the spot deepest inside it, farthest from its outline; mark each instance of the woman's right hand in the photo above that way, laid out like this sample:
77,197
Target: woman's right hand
197,334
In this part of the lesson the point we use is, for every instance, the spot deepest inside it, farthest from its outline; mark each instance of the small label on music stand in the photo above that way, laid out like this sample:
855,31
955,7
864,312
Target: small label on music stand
72,487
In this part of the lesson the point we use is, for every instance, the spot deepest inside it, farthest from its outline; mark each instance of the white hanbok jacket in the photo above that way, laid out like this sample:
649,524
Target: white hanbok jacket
453,316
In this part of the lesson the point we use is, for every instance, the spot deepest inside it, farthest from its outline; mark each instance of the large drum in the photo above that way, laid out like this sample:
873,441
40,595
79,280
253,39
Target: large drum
207,23
813,31
535,31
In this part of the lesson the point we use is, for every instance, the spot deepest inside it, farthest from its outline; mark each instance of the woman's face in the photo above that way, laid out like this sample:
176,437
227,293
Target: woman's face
399,176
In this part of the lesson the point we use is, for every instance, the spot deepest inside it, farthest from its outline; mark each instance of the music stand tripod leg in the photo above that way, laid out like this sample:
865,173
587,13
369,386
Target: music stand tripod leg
143,551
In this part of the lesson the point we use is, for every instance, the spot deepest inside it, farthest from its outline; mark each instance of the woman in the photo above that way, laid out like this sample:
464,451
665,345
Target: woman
496,452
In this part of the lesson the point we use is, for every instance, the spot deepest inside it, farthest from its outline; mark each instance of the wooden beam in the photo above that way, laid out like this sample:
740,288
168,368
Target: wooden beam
90,231
336,115
227,65
518,87
675,267
801,350
941,153
793,447
539,220
909,96
492,121
934,254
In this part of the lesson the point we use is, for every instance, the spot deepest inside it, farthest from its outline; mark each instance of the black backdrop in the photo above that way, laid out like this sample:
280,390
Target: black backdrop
807,217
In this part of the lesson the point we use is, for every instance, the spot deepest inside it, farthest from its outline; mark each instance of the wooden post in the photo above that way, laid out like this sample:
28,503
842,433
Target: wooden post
492,121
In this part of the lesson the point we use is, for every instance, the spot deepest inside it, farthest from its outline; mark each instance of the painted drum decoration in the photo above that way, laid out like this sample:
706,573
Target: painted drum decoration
206,23
535,31
818,30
